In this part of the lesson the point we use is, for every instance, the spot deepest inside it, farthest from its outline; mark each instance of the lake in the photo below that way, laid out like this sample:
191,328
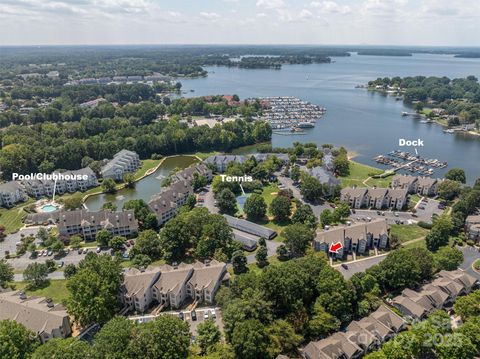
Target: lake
145,188
364,122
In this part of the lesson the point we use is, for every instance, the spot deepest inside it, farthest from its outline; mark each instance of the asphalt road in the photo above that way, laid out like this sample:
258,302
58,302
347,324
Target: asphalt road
360,265
470,255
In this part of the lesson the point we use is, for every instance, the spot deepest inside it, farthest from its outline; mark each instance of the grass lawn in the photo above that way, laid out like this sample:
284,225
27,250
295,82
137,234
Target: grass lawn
12,218
409,232
56,289
359,173
269,193
416,244
146,166
205,155
476,265
415,198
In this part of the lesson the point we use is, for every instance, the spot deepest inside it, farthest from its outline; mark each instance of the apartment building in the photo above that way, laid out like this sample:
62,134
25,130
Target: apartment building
423,186
123,162
355,238
188,173
87,224
46,319
221,162
359,338
82,180
440,293
325,177
11,193
378,198
166,204
171,286
472,228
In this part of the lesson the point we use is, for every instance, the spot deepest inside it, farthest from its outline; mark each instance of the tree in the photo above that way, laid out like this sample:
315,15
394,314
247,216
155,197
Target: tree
69,348
321,323
72,203
117,243
150,221
255,207
250,340
111,342
455,345
297,238
208,335
440,233
227,202
103,236
191,201
282,252
109,206
6,273
326,218
295,173
75,241
129,180
456,174
16,341
70,270
311,188
281,208
262,256
149,244
36,275
449,189
167,337
198,181
341,165
282,338
468,306
304,214
336,295
239,262
448,258
94,289
109,185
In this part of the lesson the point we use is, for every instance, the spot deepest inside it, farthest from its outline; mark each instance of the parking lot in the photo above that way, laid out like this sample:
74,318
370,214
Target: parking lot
200,315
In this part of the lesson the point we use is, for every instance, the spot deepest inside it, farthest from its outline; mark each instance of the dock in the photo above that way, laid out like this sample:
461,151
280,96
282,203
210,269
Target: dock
401,160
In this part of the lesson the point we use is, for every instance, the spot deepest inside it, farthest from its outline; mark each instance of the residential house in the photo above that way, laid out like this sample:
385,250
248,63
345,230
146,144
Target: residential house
123,162
11,193
136,291
206,280
377,198
472,228
40,315
326,178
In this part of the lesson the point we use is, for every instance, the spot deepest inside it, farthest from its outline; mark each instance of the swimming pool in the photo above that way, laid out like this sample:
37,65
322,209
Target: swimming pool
49,208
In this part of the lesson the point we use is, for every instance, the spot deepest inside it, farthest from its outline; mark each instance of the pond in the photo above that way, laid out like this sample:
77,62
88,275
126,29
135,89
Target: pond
145,188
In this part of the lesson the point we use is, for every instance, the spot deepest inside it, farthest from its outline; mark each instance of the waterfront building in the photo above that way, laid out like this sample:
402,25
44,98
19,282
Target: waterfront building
378,198
221,162
11,193
423,186
40,315
166,204
355,197
325,177
123,162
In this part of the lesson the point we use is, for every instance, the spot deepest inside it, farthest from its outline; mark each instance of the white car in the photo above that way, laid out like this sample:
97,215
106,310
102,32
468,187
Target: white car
214,314
205,315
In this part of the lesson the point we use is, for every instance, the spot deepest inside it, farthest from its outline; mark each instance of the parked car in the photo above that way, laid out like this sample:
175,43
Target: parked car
49,253
205,314
80,251
99,249
344,266
193,315
181,316
214,314
131,241
85,250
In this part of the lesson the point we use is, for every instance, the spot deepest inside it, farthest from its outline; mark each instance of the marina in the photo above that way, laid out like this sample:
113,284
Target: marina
285,112
407,162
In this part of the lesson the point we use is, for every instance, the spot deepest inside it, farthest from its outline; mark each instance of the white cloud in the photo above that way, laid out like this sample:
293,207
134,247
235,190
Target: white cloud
209,15
270,4
305,14
329,7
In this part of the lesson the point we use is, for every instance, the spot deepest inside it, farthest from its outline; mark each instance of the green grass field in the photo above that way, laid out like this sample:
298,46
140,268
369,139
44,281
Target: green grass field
146,166
359,173
407,233
12,218
56,289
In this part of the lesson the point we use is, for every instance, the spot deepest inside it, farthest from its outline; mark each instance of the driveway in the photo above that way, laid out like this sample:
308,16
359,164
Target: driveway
470,255
360,265
271,249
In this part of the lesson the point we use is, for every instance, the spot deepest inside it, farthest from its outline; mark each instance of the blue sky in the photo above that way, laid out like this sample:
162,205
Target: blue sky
371,22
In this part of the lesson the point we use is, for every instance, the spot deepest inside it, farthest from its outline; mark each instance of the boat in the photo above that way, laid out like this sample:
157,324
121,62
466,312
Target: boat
306,124
404,113
449,131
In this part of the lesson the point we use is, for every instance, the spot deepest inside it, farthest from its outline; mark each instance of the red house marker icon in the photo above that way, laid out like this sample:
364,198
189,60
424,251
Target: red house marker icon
335,247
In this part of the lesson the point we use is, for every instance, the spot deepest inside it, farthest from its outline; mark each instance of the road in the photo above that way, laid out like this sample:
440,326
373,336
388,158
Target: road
271,249
470,255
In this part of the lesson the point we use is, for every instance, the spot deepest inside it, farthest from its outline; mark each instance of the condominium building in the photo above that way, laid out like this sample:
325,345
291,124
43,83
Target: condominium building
166,204
354,238
123,162
171,286
11,193
472,228
221,162
378,198
46,319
